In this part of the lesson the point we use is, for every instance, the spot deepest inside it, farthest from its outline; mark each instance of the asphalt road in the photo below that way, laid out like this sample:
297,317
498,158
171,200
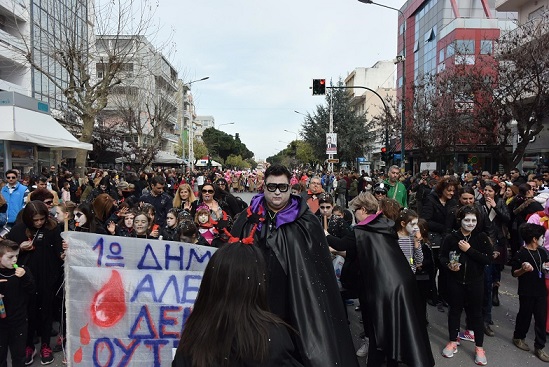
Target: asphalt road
500,350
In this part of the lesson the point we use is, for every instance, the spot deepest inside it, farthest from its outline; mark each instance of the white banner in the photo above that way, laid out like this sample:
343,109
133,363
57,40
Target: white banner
127,299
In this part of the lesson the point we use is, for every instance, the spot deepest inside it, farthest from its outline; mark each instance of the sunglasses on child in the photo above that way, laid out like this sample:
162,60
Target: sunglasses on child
282,187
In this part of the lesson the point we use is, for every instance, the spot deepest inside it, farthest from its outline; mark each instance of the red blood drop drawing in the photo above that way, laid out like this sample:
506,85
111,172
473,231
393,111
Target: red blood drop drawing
109,303
85,335
78,355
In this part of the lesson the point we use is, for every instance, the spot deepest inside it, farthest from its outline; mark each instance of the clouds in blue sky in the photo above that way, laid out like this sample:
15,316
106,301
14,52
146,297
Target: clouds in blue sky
262,55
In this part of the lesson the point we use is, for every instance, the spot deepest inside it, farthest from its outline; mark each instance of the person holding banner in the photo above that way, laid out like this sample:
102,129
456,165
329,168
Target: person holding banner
301,282
41,249
231,323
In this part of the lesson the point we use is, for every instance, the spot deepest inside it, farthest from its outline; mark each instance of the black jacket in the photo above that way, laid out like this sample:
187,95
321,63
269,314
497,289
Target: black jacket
16,292
45,260
302,287
440,218
392,296
472,261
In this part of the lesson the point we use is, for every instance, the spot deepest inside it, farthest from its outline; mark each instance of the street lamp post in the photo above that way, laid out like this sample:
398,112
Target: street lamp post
186,88
403,61
292,132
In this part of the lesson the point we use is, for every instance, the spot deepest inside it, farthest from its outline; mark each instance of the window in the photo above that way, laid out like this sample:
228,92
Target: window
486,47
450,50
465,47
536,13
429,36
416,46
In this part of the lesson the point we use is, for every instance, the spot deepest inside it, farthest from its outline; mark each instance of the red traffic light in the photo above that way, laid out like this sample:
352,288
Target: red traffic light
383,150
319,87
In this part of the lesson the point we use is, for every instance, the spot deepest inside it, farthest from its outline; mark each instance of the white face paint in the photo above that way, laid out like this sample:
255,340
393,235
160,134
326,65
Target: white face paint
203,218
412,227
80,218
541,241
469,222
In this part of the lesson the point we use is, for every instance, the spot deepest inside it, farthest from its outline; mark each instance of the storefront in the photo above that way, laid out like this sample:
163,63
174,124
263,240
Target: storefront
29,137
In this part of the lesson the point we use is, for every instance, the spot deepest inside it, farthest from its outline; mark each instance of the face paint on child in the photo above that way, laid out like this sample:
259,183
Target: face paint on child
412,226
469,222
171,221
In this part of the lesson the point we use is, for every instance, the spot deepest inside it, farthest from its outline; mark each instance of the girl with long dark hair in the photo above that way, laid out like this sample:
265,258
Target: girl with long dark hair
41,249
230,324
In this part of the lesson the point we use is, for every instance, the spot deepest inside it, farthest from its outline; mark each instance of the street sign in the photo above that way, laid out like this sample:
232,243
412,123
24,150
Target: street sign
332,160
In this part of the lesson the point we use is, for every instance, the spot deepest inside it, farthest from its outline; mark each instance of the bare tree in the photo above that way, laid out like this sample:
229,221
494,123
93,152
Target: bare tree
69,60
523,82
143,116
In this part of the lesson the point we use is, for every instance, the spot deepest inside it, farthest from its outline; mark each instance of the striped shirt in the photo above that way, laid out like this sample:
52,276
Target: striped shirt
412,254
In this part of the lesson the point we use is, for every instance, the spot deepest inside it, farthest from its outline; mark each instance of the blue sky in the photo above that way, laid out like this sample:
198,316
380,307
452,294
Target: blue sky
261,57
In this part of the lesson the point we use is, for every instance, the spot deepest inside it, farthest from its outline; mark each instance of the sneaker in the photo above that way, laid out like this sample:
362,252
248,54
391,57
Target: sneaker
450,349
363,350
488,330
520,344
46,355
468,335
29,355
480,356
540,353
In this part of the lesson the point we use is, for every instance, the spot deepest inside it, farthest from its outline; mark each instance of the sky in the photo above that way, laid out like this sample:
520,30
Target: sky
261,57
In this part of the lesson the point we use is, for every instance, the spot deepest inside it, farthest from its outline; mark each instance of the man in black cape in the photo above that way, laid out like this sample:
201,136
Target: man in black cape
301,282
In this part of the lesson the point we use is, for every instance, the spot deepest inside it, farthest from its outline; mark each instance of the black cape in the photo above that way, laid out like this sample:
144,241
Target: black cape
314,305
392,295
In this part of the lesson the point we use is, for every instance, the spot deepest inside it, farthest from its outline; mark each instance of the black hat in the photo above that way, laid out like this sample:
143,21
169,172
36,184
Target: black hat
380,187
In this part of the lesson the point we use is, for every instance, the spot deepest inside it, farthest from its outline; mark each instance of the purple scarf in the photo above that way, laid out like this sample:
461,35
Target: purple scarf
286,215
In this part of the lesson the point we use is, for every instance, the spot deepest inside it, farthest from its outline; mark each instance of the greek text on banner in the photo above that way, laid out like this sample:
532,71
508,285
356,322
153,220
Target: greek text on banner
127,299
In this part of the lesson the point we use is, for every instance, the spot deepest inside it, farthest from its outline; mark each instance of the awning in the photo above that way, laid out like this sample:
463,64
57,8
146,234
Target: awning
27,126
204,163
162,157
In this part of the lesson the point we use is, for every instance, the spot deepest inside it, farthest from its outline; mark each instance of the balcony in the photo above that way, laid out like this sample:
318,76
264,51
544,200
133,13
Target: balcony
510,5
531,30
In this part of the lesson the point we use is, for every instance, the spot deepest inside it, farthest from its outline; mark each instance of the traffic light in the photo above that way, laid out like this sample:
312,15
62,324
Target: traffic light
384,154
319,87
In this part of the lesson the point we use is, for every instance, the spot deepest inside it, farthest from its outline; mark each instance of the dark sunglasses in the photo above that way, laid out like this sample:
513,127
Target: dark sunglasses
282,187
11,177
207,191
325,207
48,202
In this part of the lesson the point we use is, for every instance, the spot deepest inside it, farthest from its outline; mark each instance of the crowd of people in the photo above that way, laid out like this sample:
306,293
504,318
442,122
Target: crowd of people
320,238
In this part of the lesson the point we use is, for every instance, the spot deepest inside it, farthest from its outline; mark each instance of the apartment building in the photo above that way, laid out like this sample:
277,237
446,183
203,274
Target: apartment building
370,89
432,33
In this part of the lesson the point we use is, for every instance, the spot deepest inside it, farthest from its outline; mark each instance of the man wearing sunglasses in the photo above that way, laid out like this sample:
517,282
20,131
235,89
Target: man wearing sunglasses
301,286
14,193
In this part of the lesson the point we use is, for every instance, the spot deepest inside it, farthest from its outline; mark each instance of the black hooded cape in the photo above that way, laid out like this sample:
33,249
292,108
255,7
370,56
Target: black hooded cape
392,296
313,302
